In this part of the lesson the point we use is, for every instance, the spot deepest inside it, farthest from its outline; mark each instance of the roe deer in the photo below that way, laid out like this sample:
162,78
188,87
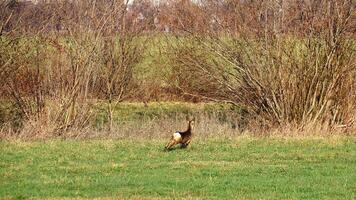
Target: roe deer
182,137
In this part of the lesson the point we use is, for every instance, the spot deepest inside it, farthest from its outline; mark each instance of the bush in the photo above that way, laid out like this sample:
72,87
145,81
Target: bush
280,78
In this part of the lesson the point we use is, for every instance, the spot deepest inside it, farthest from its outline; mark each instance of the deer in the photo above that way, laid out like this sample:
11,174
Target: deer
182,137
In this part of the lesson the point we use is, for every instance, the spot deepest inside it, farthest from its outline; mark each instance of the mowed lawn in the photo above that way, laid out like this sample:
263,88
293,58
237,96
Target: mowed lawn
240,168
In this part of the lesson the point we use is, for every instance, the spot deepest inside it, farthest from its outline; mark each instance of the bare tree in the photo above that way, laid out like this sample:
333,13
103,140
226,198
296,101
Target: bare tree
122,50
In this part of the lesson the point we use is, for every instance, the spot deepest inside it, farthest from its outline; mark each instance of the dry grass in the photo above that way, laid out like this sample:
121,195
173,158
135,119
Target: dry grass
206,127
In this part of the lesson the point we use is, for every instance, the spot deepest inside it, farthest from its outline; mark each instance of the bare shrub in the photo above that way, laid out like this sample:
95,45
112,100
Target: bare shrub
281,76
51,75
121,50
289,63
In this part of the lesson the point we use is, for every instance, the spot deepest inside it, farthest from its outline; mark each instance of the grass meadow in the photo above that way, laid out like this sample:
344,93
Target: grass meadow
239,168
91,91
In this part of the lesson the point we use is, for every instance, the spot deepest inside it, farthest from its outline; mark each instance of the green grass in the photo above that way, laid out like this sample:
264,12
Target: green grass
129,112
138,112
243,168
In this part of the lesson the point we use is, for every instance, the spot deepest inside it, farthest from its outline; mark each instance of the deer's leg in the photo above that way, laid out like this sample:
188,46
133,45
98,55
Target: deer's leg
185,144
170,144
188,142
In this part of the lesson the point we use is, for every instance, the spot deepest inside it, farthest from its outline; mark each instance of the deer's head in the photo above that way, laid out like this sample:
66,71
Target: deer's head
191,122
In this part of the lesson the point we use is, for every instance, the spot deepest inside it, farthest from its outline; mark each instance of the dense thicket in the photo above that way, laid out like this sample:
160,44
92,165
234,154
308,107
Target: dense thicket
285,62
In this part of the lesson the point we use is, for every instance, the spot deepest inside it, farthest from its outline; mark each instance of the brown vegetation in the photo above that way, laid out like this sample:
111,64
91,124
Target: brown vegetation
283,72
289,64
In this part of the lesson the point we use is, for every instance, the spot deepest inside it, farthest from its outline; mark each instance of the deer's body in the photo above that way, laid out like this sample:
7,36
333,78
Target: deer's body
182,137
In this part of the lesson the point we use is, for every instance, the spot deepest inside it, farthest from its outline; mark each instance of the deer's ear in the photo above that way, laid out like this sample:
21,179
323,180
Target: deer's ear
187,118
190,118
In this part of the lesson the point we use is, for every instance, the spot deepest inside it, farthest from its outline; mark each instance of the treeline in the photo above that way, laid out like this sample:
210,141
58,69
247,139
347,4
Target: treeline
287,63
177,16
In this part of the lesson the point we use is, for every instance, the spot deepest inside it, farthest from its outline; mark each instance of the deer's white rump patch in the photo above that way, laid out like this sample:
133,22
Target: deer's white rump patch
177,136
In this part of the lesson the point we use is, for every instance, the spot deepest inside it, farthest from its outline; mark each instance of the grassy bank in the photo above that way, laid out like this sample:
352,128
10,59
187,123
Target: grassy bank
139,120
264,168
137,112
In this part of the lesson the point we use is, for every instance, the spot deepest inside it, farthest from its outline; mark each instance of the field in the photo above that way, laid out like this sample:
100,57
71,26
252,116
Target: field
239,168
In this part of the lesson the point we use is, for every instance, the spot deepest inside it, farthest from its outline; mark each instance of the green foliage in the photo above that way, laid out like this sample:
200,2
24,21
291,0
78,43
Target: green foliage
245,168
131,112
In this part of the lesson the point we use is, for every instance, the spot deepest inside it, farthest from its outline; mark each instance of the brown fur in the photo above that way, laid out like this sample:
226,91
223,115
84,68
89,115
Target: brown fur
186,136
